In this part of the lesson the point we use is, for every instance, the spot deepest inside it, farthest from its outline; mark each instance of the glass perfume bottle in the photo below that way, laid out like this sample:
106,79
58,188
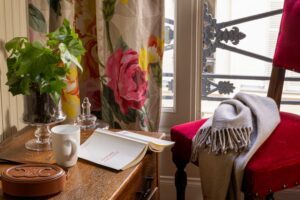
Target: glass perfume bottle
87,120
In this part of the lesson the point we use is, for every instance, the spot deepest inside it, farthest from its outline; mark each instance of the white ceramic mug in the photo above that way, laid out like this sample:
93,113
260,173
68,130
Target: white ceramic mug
66,144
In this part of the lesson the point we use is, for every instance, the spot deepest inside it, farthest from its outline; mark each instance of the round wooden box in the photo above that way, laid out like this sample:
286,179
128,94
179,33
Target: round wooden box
33,180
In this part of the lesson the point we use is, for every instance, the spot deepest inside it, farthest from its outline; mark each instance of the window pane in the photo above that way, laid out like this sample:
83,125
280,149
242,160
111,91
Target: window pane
231,71
168,90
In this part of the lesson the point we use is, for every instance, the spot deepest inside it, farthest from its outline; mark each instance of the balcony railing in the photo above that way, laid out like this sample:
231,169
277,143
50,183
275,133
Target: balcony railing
215,35
210,85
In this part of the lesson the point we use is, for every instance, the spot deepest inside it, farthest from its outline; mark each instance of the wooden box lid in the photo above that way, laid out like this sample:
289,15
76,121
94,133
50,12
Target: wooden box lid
33,180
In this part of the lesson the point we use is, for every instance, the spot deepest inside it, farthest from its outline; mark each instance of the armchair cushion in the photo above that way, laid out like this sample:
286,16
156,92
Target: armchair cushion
288,41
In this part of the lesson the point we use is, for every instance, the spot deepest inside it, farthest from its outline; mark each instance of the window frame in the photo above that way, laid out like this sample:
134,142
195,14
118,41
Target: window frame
187,60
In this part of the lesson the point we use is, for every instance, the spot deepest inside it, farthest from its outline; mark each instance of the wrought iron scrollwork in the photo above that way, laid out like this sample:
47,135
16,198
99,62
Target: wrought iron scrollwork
234,35
223,87
216,35
213,35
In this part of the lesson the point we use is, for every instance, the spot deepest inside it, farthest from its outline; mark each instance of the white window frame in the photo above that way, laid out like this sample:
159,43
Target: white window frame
187,61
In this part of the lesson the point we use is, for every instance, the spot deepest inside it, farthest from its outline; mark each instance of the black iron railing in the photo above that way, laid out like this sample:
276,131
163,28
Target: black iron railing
216,35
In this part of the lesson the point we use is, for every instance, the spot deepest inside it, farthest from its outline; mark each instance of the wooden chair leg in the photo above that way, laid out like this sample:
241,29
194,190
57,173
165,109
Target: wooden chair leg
180,183
180,180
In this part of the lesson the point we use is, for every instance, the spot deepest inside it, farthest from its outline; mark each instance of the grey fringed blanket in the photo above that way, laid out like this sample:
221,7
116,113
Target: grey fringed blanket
227,141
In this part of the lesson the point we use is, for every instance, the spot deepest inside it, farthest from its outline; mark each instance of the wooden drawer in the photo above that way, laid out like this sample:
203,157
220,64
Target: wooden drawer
143,184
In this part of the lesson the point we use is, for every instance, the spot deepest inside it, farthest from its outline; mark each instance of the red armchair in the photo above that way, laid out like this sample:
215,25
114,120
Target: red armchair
276,165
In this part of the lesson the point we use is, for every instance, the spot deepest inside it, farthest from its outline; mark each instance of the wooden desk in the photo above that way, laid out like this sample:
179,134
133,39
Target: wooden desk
89,181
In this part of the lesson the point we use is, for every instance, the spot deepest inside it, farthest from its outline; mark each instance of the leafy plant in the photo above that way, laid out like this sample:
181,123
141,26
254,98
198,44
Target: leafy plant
34,67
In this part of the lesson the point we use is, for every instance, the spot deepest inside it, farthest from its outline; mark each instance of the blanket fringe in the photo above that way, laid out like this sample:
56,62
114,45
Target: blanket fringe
221,141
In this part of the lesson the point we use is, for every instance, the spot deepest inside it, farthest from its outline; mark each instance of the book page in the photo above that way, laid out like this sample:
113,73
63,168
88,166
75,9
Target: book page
154,143
107,149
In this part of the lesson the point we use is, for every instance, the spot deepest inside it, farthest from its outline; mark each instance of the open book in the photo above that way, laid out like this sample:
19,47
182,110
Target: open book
119,150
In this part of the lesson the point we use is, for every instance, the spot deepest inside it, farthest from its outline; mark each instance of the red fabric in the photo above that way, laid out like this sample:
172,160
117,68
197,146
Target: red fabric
183,135
276,163
287,53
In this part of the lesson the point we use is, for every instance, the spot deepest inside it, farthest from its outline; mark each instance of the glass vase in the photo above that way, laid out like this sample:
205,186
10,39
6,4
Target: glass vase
41,111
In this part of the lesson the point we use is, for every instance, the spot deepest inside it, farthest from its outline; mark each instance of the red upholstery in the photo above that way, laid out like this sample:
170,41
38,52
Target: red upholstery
276,163
183,135
288,42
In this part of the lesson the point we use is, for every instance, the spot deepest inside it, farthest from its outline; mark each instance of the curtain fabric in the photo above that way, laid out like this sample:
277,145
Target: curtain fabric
86,27
46,16
131,39
123,64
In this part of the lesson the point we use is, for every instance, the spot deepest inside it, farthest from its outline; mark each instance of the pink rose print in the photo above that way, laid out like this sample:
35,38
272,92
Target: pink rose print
126,79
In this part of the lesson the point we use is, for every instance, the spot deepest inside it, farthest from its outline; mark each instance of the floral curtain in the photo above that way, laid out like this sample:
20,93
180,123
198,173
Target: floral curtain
86,27
123,64
131,39
46,16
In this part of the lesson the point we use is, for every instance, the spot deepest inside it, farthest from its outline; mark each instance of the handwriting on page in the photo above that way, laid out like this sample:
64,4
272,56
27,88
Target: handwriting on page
109,156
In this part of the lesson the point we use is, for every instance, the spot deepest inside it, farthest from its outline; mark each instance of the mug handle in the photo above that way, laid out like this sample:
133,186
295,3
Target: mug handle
73,148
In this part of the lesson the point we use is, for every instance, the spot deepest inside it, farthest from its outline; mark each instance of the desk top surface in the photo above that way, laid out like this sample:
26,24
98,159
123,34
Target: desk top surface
84,181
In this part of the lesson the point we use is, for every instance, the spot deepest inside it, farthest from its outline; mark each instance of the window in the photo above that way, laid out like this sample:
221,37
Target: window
168,86
181,62
232,72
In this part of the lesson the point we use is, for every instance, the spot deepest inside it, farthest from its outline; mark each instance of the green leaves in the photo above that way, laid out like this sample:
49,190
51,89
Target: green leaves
32,64
36,67
67,36
67,57
15,44
36,19
54,88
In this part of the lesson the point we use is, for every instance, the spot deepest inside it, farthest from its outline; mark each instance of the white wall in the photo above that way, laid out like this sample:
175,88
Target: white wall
12,23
